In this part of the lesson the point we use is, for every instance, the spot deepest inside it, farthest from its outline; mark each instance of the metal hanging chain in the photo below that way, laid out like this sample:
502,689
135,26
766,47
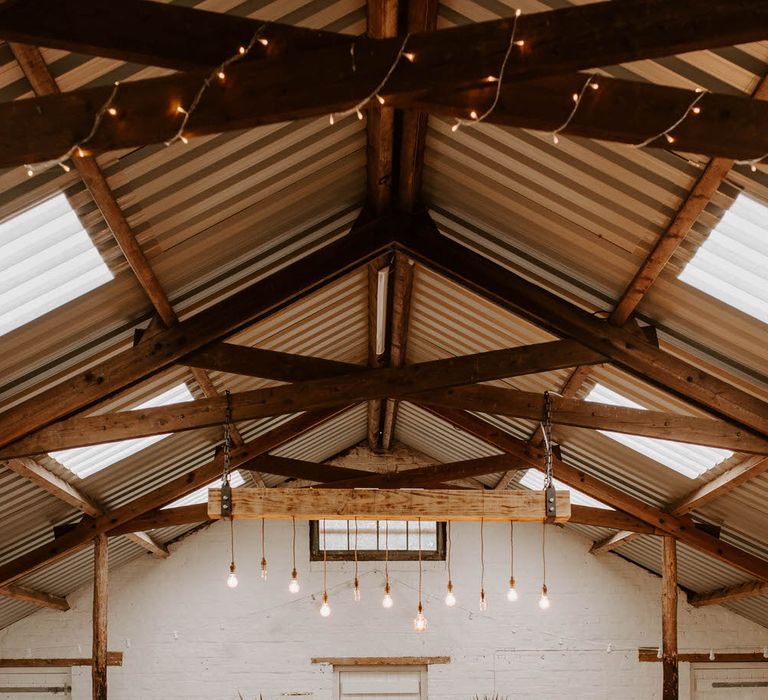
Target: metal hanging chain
546,429
227,438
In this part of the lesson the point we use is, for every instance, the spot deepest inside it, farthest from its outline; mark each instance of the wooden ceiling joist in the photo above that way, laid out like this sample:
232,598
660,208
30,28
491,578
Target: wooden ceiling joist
622,346
30,595
171,345
725,595
177,488
311,395
680,527
44,128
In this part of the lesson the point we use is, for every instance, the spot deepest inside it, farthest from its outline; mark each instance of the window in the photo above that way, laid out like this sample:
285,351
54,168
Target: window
690,460
46,260
534,479
373,537
201,495
731,264
84,461
377,683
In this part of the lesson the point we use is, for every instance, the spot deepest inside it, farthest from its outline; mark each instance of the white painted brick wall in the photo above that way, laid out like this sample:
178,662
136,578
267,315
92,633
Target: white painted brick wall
186,635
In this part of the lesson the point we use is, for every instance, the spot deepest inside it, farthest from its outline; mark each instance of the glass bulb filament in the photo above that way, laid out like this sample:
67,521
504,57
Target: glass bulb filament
450,598
325,609
232,578
544,600
387,602
512,592
294,586
420,622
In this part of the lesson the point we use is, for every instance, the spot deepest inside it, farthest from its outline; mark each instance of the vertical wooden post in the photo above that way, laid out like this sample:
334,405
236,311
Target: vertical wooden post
99,668
669,618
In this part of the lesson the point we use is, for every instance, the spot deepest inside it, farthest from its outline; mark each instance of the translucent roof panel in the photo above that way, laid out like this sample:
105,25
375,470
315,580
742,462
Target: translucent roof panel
201,495
732,262
84,461
46,260
690,460
534,479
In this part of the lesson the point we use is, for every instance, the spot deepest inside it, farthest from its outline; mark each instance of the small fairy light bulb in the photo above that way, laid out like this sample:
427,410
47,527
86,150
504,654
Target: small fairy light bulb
325,609
356,591
112,112
555,139
520,42
380,99
512,592
473,114
387,601
518,12
80,152
294,586
575,97
544,600
264,42
410,56
670,138
359,113
183,138
455,127
483,601
450,598
232,578
180,110
64,167
711,654
331,120
491,79
696,110
263,569
221,75
241,50
420,622
752,167
30,172
594,86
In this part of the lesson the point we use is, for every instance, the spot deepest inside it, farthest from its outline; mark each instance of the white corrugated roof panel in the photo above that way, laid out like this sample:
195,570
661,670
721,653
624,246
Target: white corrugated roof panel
534,479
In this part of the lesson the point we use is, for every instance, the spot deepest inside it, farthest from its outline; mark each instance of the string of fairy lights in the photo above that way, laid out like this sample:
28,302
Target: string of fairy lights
474,115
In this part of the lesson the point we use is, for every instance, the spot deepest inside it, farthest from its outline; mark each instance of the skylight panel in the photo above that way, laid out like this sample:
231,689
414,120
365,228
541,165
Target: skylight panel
201,495
84,461
46,260
732,262
690,460
534,479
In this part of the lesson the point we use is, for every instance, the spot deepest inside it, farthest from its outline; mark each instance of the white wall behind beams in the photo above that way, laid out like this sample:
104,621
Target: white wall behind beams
186,635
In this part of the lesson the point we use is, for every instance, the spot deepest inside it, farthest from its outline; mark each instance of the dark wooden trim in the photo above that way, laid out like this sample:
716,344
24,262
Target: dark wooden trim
651,655
114,658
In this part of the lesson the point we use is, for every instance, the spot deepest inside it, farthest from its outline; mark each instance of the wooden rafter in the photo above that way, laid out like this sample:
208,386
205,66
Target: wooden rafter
170,345
725,595
440,79
622,346
30,595
680,527
176,488
310,395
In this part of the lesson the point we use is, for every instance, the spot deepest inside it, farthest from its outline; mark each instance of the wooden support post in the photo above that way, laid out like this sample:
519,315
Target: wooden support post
99,669
669,618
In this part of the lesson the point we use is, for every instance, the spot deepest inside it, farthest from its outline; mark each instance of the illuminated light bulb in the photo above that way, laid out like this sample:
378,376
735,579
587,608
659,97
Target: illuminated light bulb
380,99
64,167
180,110
80,152
183,138
420,622
450,598
294,586
520,42
491,79
544,600
325,609
331,120
752,167
670,138
518,12
483,601
594,86
30,172
263,569
387,601
711,654
410,56
356,591
696,110
232,578
222,75
359,114
264,42
455,127
512,592
112,112
699,89
575,97
555,139
473,114
241,50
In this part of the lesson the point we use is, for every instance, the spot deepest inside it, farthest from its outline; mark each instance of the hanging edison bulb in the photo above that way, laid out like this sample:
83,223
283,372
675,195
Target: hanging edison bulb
325,609
387,601
263,554
450,598
512,591
483,601
356,590
263,569
420,622
232,578
544,600
294,586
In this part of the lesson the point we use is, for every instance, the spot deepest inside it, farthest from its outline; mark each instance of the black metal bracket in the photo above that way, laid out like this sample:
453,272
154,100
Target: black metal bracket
226,500
550,497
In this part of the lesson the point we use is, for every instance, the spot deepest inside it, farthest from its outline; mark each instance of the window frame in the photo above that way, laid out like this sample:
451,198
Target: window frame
316,552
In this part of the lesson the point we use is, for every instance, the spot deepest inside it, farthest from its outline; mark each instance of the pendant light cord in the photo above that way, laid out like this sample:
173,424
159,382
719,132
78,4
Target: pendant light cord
449,550
294,542
543,553
420,565
482,556
325,564
512,549
386,551
355,548
232,540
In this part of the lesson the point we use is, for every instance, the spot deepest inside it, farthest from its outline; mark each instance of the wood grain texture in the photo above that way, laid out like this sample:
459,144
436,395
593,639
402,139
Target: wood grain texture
388,504
114,658
100,596
670,689
381,660
723,595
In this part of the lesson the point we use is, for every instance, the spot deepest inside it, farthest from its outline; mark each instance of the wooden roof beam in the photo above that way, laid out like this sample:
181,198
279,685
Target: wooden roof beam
622,346
30,595
680,527
331,392
725,595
